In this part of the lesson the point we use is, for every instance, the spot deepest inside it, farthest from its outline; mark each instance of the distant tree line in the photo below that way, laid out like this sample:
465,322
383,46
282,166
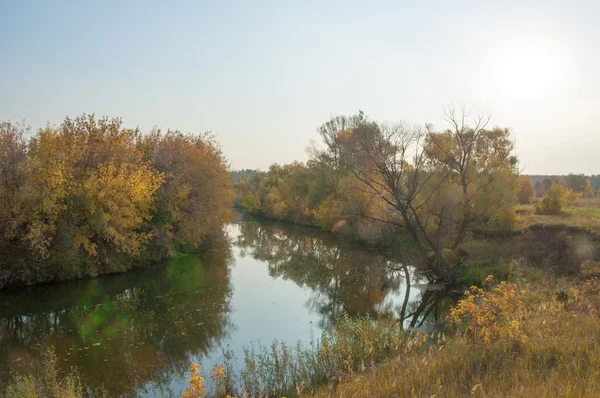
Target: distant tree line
90,197
587,186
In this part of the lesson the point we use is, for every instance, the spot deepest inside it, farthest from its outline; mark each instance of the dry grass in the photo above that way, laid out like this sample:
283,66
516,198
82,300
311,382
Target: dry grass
583,214
560,357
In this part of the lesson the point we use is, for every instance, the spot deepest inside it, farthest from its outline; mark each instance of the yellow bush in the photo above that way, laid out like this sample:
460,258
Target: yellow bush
557,197
489,316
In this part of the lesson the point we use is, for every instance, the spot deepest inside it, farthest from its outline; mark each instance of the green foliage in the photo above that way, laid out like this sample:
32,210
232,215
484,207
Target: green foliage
474,273
90,197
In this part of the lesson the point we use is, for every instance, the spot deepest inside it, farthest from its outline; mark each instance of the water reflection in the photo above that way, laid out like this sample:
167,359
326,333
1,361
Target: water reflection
136,333
123,331
344,277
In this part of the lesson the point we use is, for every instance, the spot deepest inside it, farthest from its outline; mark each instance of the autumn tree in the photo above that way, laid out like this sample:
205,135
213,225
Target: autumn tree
118,205
474,158
13,153
62,160
375,179
195,198
392,165
90,196
526,194
557,197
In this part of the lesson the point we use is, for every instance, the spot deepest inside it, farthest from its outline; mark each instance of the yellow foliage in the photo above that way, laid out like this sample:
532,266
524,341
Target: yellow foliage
196,383
557,197
327,214
50,181
489,316
122,197
91,187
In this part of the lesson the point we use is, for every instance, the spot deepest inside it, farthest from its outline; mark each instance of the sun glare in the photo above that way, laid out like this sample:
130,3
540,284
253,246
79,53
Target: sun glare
525,69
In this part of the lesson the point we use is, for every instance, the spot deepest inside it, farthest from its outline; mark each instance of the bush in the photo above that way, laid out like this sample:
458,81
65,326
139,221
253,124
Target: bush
90,197
489,316
557,197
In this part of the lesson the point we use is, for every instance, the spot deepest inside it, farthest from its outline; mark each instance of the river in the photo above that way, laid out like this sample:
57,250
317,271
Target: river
135,334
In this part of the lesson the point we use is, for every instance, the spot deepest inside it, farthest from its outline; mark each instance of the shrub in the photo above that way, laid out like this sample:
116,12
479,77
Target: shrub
489,316
283,370
557,197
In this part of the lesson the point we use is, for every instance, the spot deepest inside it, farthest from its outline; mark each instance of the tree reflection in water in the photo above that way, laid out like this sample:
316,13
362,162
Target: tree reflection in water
343,276
123,332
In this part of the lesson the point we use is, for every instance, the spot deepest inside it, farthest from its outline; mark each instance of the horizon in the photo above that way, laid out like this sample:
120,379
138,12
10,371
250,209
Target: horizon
264,77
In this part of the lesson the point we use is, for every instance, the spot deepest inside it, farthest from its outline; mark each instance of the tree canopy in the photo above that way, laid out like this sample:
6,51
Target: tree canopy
90,197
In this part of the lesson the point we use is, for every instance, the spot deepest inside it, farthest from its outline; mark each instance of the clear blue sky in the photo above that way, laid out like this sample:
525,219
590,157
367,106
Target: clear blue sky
264,75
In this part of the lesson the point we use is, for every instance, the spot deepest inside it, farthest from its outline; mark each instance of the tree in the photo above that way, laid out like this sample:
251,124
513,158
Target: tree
392,164
579,183
118,200
90,196
547,183
196,196
13,154
473,158
526,193
557,197
539,189
595,182
373,179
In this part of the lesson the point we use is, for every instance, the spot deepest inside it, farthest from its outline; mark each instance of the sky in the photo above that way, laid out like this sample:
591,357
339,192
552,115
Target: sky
264,75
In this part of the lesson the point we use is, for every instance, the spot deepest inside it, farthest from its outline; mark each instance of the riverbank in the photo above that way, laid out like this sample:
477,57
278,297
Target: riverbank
559,244
560,355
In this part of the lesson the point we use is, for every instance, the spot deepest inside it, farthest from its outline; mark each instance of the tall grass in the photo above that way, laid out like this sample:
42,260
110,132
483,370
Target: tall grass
352,346
559,357
45,380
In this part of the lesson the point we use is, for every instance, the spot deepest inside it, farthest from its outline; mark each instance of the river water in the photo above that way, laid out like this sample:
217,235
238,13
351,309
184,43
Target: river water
135,334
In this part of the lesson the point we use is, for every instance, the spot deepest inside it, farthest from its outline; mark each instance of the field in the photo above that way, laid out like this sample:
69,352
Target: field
584,214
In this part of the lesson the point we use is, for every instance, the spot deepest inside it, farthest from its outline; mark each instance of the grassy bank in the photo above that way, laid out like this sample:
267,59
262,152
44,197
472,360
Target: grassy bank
560,355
